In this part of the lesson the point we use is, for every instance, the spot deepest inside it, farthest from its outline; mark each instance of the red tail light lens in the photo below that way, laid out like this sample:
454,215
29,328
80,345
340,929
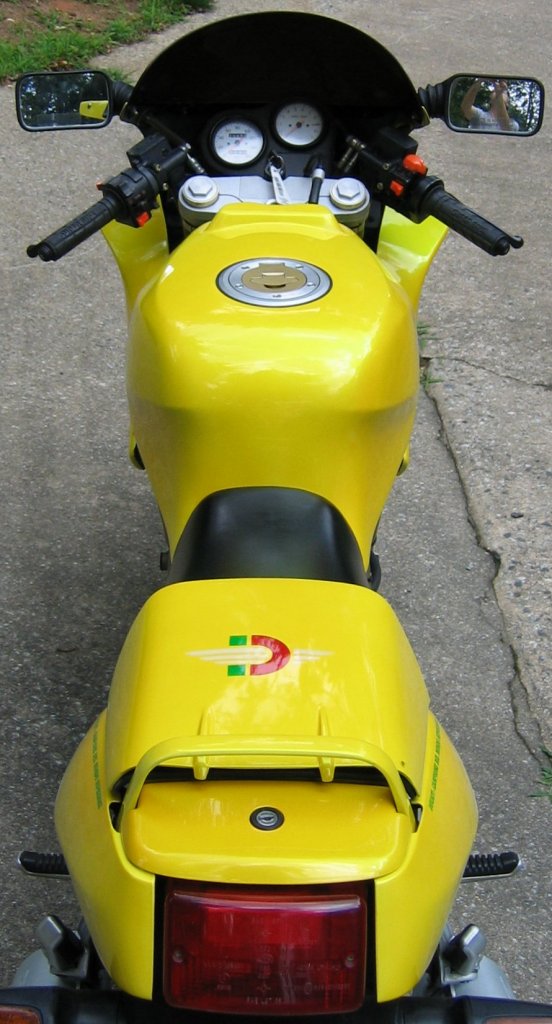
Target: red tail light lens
265,951
19,1015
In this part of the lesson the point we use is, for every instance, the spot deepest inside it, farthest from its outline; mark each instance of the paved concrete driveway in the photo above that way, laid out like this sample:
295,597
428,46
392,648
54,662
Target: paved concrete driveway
469,524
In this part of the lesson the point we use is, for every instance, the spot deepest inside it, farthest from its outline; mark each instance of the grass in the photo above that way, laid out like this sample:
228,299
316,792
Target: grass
425,335
52,41
545,783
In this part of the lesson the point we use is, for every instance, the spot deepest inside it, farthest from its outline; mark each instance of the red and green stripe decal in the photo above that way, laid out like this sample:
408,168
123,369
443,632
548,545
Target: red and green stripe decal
280,655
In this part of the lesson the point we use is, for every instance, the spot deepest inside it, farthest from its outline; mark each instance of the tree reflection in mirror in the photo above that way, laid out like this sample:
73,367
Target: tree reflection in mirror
495,105
67,99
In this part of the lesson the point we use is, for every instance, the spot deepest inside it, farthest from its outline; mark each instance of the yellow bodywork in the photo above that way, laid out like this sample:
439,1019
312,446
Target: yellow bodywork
116,898
96,110
285,675
320,396
186,695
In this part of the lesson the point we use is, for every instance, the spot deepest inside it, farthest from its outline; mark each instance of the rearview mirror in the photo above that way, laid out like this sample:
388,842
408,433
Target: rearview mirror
63,99
495,105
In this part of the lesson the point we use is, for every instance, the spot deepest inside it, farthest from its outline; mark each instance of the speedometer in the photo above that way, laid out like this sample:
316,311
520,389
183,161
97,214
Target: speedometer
237,142
299,124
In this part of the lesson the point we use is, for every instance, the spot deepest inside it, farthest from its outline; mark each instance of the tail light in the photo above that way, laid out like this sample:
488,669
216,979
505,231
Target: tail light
265,950
19,1015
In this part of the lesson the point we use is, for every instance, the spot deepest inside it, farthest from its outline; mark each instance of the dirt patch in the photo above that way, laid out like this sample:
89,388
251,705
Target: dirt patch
31,16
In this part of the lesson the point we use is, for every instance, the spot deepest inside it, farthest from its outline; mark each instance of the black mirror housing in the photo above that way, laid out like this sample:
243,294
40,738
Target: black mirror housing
487,104
54,100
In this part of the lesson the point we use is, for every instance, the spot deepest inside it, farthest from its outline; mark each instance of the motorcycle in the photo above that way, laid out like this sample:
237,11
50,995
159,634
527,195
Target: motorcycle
267,819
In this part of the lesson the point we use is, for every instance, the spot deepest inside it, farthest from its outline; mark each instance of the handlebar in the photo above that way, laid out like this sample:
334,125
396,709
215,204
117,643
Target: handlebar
402,178
77,230
129,197
466,222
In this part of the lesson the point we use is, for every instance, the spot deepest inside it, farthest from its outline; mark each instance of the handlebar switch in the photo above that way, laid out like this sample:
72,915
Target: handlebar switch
135,190
396,187
414,163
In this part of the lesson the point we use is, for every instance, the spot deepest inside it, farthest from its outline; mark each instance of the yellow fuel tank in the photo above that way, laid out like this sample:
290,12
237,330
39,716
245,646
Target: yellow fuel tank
273,348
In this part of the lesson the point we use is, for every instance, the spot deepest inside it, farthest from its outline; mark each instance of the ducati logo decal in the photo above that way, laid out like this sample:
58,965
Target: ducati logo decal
256,655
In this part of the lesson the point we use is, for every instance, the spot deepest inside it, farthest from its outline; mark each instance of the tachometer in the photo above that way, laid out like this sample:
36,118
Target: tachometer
237,142
299,124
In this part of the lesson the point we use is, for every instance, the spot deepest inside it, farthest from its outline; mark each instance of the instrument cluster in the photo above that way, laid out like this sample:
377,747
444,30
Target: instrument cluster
237,140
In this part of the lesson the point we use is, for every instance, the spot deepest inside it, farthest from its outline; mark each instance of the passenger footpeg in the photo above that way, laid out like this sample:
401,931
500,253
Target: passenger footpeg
50,865
492,865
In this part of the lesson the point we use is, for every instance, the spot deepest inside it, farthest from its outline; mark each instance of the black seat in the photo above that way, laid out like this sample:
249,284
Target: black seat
267,531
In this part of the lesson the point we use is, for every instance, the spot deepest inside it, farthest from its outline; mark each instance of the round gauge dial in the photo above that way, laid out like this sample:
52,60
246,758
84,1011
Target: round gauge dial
299,124
237,142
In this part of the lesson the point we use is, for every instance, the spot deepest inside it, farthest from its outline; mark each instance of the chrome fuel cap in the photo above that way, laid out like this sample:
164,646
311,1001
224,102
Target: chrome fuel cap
274,282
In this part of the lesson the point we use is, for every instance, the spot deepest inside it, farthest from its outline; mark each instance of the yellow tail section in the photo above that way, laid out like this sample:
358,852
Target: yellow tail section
237,695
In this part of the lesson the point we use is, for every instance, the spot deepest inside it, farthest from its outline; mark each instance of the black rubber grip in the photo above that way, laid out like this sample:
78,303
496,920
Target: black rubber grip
450,211
77,230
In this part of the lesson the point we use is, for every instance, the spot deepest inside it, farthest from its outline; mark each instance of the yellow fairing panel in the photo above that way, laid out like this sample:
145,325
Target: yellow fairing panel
202,830
141,254
263,674
413,903
408,249
197,662
285,674
227,394
116,898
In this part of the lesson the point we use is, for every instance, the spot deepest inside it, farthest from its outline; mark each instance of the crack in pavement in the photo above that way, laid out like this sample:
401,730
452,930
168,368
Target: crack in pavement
544,385
526,725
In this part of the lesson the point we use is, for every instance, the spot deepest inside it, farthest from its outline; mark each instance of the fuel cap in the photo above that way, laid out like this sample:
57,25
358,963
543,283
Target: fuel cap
274,282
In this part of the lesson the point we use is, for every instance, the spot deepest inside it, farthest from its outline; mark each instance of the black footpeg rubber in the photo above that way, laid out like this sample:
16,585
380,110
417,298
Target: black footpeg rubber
492,865
51,865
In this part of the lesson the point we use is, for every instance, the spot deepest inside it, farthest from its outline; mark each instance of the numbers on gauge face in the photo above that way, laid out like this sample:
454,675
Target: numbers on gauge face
237,142
299,124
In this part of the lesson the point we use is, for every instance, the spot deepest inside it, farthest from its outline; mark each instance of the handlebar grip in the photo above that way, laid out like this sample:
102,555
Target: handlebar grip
77,230
466,222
